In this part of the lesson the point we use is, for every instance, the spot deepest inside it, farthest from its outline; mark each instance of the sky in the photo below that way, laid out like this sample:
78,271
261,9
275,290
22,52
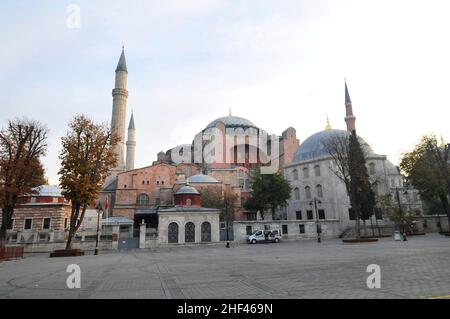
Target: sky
277,63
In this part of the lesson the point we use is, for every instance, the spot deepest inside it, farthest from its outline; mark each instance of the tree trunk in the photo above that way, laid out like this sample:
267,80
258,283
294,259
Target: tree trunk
6,221
446,206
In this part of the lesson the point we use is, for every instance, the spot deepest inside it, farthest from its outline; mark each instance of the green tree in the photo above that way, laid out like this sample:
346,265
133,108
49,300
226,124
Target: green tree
362,196
428,169
269,192
87,157
22,145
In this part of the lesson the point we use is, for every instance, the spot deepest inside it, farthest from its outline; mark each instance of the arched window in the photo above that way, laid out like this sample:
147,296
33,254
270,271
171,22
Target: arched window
392,182
143,199
189,233
319,190
317,170
188,202
305,172
372,168
297,194
206,232
308,192
295,174
172,233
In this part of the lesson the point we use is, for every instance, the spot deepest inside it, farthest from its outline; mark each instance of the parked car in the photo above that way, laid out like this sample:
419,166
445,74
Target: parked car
264,236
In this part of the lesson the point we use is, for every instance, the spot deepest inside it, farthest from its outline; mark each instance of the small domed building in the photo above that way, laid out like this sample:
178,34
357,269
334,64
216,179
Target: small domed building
187,222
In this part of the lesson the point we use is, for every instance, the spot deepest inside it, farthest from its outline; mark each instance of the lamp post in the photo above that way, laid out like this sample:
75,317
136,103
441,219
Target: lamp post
226,220
314,203
99,209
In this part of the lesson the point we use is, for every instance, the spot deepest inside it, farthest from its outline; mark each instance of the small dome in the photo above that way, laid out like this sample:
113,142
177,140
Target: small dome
232,121
313,147
390,168
187,190
48,191
201,178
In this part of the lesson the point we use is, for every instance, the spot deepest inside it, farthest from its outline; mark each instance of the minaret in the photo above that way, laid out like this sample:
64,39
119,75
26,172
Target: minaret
120,96
349,117
131,144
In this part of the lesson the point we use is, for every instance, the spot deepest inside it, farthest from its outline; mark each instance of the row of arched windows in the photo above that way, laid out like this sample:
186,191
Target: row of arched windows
189,232
306,172
308,195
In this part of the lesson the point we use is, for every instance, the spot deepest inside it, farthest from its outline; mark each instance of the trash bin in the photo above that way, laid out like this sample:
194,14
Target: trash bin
397,236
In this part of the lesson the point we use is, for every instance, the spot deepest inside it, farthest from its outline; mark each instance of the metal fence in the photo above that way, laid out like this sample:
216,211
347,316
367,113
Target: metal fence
8,253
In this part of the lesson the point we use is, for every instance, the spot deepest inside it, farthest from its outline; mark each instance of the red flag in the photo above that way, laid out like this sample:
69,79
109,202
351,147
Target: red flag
106,204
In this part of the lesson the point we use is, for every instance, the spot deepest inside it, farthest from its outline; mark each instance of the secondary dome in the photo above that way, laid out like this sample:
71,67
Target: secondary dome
232,121
201,178
313,147
187,190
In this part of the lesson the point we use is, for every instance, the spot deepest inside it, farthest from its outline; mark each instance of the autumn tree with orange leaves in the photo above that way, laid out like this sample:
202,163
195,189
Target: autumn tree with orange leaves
87,157
22,145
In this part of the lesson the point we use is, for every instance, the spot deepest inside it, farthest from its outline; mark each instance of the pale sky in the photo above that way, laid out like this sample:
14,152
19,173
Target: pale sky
277,63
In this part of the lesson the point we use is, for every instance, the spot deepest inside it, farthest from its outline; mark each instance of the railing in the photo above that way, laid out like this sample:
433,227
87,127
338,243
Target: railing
8,253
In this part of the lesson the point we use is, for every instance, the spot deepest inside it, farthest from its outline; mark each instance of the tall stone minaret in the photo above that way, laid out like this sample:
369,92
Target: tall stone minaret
120,96
131,143
349,117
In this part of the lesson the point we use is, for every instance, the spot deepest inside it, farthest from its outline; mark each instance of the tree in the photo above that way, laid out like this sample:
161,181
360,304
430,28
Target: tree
22,145
428,169
348,156
269,192
397,213
223,199
87,157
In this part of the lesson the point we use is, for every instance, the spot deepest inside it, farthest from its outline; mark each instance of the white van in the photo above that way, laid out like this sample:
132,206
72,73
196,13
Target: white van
264,236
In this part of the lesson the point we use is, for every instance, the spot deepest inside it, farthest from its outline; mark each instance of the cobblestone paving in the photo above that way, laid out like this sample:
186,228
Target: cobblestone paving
418,268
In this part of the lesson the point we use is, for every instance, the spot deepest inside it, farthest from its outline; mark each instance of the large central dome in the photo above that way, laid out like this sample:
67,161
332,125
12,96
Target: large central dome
232,121
313,147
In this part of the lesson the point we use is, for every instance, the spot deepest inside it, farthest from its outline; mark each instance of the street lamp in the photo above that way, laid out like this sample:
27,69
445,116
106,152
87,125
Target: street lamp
226,220
99,209
314,202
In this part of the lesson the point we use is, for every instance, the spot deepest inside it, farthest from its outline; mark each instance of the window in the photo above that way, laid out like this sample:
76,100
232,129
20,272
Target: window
65,223
308,192
392,182
285,229
143,199
301,228
28,223
11,226
317,170
298,215
295,174
321,214
372,168
309,214
188,202
46,223
249,230
297,194
251,216
125,186
351,214
319,191
305,172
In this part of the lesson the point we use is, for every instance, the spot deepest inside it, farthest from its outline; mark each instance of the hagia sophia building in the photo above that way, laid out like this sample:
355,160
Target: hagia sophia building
142,194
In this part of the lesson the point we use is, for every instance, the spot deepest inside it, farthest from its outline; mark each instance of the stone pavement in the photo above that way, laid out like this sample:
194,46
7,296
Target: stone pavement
418,268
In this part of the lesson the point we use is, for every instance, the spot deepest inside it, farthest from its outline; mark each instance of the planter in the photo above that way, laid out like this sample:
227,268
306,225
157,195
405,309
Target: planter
360,240
415,234
9,253
67,253
374,237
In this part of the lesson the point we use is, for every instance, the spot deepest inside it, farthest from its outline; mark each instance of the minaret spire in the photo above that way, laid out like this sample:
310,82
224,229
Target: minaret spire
350,119
131,143
119,110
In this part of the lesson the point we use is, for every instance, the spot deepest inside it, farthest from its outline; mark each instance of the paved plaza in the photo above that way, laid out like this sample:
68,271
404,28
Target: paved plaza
418,268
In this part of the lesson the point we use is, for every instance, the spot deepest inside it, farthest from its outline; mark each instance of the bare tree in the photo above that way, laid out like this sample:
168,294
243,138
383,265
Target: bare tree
22,144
